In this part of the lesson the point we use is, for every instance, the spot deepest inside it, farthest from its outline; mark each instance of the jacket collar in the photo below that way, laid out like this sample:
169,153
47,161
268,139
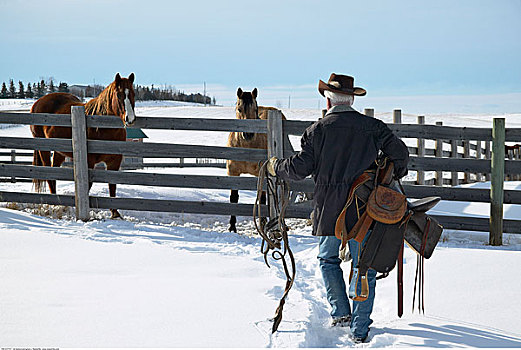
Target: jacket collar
340,108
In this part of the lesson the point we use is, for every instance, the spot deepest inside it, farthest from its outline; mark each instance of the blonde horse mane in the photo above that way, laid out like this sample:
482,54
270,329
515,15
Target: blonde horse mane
102,104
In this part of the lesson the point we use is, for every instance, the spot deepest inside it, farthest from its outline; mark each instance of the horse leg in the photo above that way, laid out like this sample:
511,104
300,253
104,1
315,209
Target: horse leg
91,163
57,160
42,158
234,198
114,164
232,170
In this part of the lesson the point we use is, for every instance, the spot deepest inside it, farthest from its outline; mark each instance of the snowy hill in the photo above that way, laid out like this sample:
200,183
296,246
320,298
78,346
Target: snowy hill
180,280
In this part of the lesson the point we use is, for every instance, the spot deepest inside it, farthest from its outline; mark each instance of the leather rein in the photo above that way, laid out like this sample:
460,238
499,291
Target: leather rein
275,233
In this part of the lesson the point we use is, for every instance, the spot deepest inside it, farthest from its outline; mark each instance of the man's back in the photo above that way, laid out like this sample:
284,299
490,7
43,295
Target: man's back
336,150
348,145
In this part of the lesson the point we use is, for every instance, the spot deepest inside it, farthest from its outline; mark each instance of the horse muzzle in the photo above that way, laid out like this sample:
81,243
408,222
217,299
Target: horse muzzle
247,135
129,120
130,115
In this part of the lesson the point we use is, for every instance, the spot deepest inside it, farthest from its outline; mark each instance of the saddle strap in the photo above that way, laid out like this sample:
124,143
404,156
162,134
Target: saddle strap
361,227
400,282
340,226
420,271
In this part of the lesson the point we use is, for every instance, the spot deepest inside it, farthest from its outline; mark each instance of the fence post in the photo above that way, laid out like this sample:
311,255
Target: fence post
497,182
420,174
275,146
439,154
466,154
510,153
454,154
397,116
478,156
81,170
516,157
488,155
369,112
13,161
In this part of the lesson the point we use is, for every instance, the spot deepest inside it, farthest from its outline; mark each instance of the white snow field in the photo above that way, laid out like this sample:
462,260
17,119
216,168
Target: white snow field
182,280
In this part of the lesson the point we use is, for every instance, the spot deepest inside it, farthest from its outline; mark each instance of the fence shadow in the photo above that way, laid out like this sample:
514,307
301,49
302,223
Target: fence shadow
452,335
23,221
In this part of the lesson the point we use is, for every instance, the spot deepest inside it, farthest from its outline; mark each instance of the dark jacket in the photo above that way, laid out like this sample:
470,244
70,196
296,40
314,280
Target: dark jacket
336,150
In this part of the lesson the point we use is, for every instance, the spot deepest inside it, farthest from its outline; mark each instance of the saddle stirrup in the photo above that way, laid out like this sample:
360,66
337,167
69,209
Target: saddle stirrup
353,286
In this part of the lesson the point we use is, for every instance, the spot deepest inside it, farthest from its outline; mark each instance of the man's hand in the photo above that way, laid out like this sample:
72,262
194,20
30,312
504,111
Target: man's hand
271,166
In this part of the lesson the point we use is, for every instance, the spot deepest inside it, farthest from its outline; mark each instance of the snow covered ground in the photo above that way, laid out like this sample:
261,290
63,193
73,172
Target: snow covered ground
182,280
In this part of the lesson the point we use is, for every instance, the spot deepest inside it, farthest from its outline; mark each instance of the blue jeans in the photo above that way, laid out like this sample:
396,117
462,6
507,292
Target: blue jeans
336,288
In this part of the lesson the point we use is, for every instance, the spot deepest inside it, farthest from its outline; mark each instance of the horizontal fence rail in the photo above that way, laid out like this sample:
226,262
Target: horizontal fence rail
134,149
195,207
168,150
158,205
461,165
291,127
233,182
467,223
103,121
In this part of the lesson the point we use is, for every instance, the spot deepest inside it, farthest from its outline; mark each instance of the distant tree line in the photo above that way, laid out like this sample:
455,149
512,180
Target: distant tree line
34,90
143,93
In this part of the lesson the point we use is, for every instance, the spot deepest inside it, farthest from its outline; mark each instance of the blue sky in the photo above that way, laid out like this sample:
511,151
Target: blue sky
393,48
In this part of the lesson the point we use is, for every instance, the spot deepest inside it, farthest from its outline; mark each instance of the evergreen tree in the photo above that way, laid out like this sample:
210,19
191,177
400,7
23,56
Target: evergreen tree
29,91
3,92
43,87
213,101
12,90
63,87
21,88
51,87
39,90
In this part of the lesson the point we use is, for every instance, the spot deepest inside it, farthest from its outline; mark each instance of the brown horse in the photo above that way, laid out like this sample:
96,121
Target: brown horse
246,108
116,100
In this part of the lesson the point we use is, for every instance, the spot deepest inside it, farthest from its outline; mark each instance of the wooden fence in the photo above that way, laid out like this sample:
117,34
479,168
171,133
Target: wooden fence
423,161
25,158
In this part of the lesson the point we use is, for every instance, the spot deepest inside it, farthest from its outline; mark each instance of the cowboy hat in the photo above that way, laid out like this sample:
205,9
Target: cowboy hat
342,84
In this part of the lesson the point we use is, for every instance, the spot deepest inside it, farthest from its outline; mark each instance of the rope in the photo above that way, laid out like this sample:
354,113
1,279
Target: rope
275,233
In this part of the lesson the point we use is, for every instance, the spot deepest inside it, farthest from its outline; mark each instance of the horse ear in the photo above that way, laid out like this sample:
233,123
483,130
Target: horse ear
131,78
239,92
254,93
118,79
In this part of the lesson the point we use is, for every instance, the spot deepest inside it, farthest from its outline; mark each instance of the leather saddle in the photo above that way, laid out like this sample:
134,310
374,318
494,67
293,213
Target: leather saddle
383,210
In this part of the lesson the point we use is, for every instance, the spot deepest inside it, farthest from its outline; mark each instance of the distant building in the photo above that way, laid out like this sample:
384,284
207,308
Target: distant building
78,90
83,91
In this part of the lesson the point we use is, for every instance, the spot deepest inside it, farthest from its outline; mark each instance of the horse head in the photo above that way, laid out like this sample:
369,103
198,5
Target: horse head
246,108
125,97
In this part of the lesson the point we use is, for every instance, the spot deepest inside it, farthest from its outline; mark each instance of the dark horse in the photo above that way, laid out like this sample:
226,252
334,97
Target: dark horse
116,100
246,108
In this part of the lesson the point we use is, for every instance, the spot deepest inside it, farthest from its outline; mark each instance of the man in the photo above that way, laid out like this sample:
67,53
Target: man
336,150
